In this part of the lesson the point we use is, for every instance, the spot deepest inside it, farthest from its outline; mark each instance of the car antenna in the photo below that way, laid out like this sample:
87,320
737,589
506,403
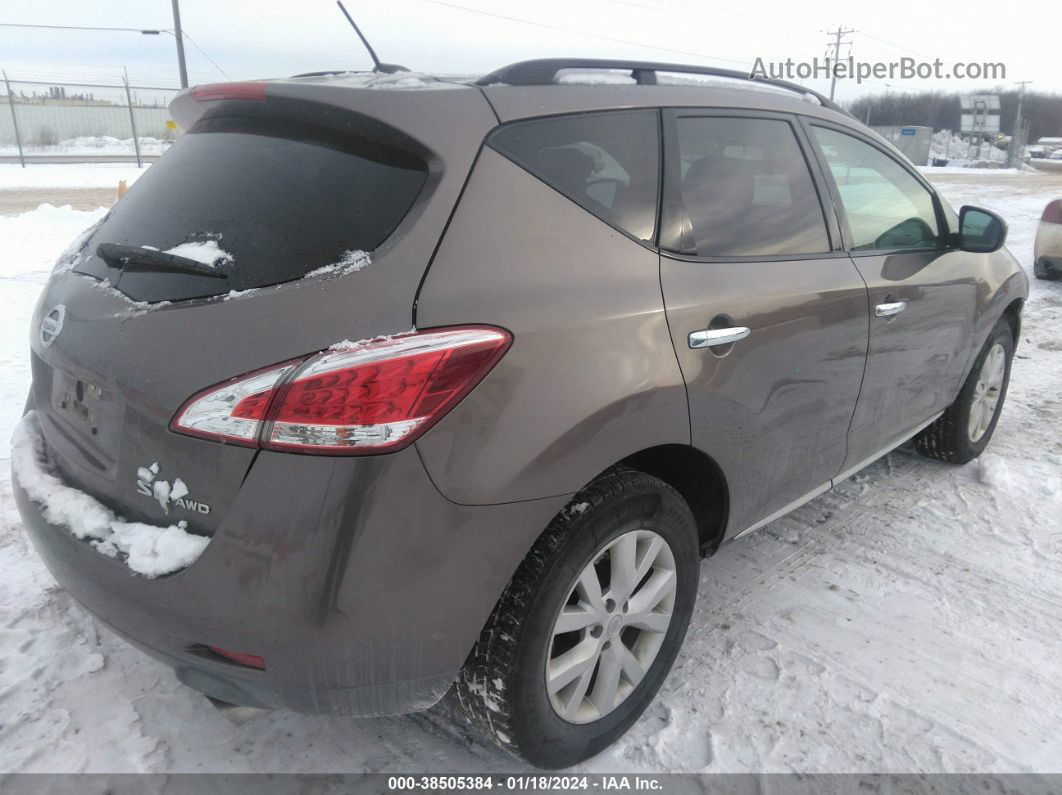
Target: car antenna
386,68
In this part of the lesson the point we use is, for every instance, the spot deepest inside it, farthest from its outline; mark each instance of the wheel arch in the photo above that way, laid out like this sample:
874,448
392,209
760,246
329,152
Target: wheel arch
1012,314
698,479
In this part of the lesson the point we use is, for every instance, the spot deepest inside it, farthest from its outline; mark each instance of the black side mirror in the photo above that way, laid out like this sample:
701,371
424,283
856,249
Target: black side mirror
981,231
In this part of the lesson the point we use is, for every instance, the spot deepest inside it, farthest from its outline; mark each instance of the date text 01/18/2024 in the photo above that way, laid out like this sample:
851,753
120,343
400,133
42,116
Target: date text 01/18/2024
530,783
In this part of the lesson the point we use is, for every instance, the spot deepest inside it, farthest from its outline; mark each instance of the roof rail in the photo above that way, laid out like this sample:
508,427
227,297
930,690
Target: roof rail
543,71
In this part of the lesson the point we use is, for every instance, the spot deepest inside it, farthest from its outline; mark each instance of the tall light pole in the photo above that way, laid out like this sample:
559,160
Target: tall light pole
180,43
176,33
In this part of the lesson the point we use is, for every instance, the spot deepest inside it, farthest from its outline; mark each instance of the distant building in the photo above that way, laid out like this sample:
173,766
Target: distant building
911,140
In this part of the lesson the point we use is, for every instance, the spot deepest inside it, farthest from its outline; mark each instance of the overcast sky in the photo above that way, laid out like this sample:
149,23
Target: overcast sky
268,38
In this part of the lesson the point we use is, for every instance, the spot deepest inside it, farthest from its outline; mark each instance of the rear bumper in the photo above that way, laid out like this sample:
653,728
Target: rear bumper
362,587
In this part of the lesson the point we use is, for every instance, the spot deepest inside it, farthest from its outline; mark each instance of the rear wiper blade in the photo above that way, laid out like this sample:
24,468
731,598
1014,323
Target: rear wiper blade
148,259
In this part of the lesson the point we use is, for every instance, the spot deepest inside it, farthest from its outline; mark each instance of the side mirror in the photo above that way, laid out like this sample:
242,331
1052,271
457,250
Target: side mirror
981,231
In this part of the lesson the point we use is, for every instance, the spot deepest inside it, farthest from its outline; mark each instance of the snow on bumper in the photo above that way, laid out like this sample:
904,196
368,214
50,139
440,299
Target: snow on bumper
146,549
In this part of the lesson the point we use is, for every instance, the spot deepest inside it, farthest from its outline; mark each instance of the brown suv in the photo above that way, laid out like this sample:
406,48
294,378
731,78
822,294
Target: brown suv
378,383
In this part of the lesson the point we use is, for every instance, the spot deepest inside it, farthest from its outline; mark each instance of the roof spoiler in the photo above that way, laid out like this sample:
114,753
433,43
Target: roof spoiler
543,72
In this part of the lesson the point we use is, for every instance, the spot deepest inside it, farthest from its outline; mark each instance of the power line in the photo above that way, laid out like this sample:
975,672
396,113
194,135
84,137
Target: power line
894,46
204,53
147,31
582,33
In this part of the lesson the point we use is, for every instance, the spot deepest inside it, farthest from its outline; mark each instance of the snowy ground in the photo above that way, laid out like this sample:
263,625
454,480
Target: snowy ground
92,145
909,620
83,175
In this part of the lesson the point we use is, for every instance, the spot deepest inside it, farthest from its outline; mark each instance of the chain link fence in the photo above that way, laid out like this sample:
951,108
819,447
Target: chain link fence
44,121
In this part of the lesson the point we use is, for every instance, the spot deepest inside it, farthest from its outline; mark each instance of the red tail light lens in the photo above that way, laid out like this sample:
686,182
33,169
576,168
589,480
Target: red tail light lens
241,658
1053,212
234,411
213,91
373,398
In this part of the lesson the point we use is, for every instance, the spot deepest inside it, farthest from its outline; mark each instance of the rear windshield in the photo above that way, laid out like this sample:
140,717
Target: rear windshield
281,199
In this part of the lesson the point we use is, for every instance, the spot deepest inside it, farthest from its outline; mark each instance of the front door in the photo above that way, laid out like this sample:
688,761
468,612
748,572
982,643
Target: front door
768,317
922,293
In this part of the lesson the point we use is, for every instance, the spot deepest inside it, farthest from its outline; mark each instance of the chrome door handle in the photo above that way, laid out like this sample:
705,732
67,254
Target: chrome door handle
890,309
708,338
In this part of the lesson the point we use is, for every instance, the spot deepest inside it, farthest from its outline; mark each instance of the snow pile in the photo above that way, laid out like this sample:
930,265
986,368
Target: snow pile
994,472
350,262
67,175
31,239
148,550
205,252
87,145
946,145
407,81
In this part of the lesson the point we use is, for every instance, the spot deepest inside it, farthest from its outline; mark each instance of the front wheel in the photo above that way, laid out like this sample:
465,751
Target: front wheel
590,624
962,432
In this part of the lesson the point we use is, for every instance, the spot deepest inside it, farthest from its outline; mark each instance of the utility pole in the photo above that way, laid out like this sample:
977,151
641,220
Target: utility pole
1016,148
180,43
838,35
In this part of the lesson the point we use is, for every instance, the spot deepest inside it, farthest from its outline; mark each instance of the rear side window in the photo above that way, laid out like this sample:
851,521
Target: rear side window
886,208
746,189
608,163
282,199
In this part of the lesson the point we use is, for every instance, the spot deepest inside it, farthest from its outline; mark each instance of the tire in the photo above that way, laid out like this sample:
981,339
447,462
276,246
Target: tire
1042,271
951,438
503,687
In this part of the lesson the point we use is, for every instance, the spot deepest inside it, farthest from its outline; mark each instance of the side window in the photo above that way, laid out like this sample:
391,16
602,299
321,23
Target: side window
609,163
886,207
746,189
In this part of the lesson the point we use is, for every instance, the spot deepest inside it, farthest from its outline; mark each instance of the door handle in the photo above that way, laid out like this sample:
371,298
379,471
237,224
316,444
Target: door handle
890,309
709,337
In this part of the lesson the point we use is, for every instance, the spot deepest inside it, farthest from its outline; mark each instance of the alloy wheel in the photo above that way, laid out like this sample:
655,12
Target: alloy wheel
986,392
611,627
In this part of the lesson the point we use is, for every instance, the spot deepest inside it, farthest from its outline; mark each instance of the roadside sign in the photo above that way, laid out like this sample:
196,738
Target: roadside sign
980,113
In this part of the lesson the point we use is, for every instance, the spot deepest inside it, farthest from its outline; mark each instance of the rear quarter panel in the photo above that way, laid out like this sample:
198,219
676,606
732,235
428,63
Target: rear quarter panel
591,377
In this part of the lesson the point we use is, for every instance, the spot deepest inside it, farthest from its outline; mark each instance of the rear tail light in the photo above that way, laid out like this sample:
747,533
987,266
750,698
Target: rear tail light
213,91
240,658
374,398
1053,212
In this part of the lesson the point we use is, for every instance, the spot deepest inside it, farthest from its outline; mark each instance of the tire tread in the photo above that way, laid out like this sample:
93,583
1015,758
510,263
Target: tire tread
485,704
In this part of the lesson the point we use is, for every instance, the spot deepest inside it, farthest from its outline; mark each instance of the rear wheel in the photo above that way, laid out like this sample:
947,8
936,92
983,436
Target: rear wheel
1043,271
590,624
964,430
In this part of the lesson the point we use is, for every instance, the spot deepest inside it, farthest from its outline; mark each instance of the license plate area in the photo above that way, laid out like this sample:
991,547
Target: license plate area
87,418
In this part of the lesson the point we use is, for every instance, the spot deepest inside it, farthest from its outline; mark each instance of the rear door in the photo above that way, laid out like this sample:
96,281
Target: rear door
749,254
922,292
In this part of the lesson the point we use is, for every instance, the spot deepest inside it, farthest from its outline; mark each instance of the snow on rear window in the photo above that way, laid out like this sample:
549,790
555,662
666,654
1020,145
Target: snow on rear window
269,200
206,252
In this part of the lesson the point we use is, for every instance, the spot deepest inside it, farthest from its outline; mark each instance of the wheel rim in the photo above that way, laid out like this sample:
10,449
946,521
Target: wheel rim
986,392
610,629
